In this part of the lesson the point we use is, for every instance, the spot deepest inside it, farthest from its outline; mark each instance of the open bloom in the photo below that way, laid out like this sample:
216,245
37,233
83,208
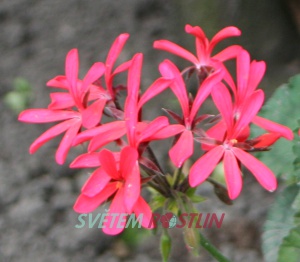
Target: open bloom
119,178
249,75
184,146
233,146
69,107
204,60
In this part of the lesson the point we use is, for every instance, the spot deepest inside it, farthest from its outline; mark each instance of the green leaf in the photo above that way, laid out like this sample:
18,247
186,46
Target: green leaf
281,108
280,221
290,247
165,246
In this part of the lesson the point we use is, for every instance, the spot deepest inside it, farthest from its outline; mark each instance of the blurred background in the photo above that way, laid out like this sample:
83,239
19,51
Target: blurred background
36,195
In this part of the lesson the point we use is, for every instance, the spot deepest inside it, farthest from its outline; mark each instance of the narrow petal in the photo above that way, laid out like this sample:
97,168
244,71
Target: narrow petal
66,142
89,134
86,160
97,181
227,32
117,211
60,100
266,140
49,134
92,115
94,73
108,163
223,102
228,53
257,71
248,112
273,127
169,70
46,115
195,31
128,160
232,174
167,132
183,148
176,50
85,204
142,208
243,68
154,126
105,137
156,88
59,82
115,50
204,91
132,187
71,68
204,166
261,172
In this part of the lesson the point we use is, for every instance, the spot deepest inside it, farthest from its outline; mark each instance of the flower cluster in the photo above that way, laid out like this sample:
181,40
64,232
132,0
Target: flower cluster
90,111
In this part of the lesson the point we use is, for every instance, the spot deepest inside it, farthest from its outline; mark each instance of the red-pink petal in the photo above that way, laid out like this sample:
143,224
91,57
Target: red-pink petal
85,204
49,134
132,187
88,134
59,82
176,50
60,100
152,128
273,127
94,73
232,174
169,70
97,181
128,159
108,163
223,102
228,53
92,115
115,50
46,115
86,160
195,31
204,166
168,131
261,172
183,148
156,88
142,208
117,212
249,110
243,68
71,68
204,91
66,142
257,71
105,137
227,32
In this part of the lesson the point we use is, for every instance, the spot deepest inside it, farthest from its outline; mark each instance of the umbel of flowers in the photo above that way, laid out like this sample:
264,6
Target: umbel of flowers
89,110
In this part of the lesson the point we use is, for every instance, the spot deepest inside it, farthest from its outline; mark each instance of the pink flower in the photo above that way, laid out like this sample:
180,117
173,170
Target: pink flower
183,148
137,131
204,47
118,177
63,103
249,74
231,149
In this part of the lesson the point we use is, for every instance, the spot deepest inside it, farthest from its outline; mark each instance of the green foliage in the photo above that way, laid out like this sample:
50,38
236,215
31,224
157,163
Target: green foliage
281,238
280,221
18,99
282,108
165,246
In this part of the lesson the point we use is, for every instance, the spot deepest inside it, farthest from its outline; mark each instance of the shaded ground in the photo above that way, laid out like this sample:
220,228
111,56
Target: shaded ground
36,195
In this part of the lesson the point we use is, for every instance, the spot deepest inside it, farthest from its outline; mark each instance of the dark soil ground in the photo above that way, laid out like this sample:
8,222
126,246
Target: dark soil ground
36,195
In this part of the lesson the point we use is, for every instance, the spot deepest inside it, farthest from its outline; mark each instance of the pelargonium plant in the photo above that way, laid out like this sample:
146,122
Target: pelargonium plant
90,110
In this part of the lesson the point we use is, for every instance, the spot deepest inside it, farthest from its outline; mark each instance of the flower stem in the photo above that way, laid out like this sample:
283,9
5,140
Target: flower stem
212,249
